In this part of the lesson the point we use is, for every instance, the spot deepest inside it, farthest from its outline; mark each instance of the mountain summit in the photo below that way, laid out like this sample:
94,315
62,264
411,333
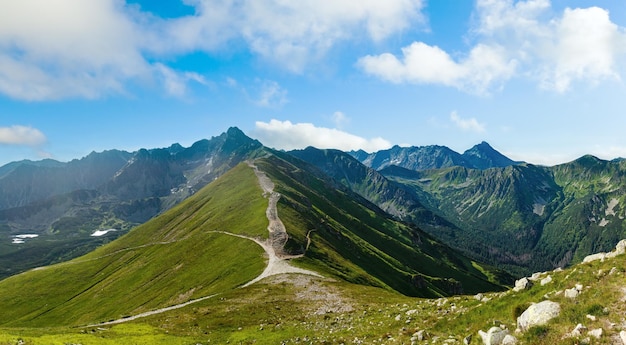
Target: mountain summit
418,158
483,156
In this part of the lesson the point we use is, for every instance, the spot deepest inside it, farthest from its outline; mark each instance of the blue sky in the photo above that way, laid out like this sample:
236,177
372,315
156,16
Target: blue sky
541,81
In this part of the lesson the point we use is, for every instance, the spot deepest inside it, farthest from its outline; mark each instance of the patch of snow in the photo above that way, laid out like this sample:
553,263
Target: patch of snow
19,239
610,207
538,209
99,233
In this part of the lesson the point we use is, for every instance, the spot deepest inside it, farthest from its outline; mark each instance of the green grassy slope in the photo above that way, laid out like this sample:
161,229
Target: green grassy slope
354,240
169,260
526,218
312,311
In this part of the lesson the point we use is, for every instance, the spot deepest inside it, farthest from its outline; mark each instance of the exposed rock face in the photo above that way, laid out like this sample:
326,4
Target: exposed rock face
596,333
622,336
571,293
509,340
578,331
538,314
594,257
620,249
522,284
546,280
494,336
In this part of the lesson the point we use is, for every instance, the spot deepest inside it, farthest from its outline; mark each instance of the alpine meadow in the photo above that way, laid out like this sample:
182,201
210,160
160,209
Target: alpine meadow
329,172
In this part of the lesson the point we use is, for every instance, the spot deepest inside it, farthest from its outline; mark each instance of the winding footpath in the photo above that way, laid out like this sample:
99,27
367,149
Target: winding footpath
278,261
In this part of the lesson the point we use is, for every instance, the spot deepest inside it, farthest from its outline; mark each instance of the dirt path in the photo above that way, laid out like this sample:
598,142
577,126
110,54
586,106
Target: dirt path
278,262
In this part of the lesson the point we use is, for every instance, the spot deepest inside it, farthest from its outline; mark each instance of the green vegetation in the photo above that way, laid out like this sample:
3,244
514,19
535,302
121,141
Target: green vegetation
371,263
524,218
357,242
294,309
172,259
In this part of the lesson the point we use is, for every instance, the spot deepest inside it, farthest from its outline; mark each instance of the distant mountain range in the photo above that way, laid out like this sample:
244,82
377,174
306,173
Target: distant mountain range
513,215
517,215
481,156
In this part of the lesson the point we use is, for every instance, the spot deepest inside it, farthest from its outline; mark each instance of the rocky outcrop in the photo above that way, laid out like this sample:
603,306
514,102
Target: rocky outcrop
494,336
594,257
620,249
538,314
522,284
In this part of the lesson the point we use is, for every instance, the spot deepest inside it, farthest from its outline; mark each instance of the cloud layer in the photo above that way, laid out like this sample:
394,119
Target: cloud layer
21,135
55,49
515,39
285,135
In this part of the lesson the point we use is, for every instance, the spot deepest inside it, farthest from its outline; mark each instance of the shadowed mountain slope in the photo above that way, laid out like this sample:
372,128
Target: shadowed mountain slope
114,190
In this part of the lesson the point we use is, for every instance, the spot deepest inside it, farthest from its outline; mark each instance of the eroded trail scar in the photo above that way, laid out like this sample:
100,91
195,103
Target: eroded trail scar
277,233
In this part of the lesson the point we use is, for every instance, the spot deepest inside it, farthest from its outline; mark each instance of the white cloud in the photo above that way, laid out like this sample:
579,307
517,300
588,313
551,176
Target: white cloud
21,135
262,93
177,83
291,33
586,49
516,39
288,136
470,124
67,48
340,119
270,94
55,49
578,45
424,64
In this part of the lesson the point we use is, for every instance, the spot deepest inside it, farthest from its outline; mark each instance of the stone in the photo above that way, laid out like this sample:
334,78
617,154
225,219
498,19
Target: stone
591,317
494,336
596,333
479,296
546,280
467,340
571,293
594,257
536,276
522,284
620,248
578,330
579,287
622,336
509,340
538,314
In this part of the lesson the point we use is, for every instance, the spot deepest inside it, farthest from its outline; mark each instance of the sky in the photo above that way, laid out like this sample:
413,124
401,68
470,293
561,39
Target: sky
541,81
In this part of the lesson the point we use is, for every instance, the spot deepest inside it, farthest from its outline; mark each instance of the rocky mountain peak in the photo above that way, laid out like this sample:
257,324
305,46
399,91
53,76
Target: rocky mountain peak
483,156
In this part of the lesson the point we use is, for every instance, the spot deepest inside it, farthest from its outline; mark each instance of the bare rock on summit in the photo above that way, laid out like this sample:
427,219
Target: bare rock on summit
538,314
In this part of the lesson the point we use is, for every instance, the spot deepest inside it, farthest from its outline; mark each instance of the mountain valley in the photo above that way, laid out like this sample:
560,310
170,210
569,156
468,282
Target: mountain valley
228,241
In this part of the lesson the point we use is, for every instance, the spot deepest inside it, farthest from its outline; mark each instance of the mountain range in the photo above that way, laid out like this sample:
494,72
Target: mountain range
513,215
136,247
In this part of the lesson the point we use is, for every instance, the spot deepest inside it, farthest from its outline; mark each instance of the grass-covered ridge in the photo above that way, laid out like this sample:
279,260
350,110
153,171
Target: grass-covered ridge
364,255
171,259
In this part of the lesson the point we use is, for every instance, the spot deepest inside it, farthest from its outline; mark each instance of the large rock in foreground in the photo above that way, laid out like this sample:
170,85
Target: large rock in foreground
538,314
